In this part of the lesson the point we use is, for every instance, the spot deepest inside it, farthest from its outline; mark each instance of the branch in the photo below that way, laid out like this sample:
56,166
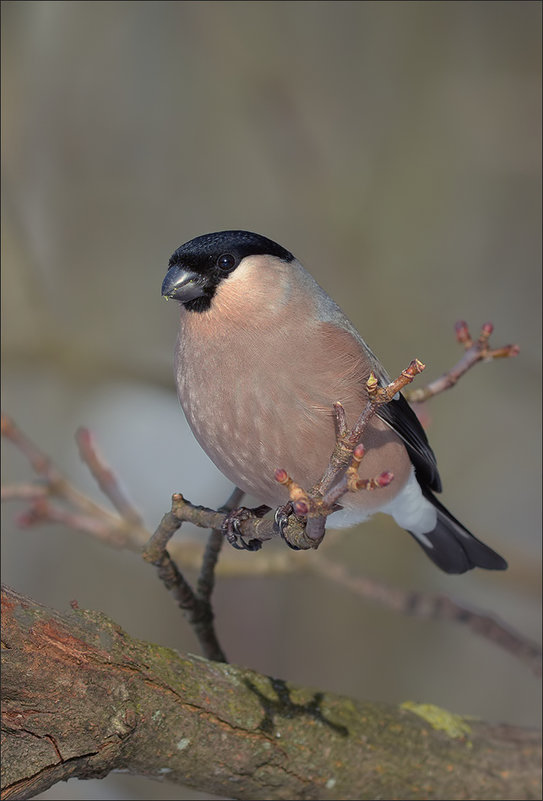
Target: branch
475,352
435,606
106,479
341,474
196,604
147,710
56,500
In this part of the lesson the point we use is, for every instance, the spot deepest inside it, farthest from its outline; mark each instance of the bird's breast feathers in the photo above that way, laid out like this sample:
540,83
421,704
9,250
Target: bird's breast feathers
258,395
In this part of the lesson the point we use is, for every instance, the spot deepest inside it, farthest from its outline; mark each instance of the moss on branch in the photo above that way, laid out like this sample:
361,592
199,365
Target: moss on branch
81,698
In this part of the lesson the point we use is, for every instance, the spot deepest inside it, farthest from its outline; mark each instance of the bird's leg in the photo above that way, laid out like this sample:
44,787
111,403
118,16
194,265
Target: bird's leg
280,518
231,527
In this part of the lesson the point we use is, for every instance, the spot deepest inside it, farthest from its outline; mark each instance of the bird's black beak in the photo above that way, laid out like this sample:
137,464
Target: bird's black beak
183,285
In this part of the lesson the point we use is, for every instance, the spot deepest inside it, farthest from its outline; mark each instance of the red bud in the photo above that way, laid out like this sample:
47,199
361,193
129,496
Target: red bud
300,508
281,476
462,332
358,452
385,478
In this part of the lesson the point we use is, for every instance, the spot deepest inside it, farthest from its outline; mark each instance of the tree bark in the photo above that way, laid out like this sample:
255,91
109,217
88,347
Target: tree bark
81,698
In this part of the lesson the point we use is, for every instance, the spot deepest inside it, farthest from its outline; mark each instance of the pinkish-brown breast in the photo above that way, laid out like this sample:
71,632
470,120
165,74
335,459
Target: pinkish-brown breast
258,395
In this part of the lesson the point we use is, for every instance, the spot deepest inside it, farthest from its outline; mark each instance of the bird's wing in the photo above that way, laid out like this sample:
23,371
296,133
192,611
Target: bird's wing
399,415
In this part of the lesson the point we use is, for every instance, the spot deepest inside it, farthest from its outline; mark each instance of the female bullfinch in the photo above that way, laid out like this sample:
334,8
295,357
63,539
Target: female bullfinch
262,355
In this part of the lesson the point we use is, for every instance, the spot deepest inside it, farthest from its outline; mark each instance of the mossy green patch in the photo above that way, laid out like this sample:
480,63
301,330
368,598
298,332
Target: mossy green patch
453,725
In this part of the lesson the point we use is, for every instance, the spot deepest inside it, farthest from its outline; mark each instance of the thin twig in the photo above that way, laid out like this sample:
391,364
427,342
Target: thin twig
197,609
42,510
206,579
474,352
341,473
432,606
56,482
23,492
105,477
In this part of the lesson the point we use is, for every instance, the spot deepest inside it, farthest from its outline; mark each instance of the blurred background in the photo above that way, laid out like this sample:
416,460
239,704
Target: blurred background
395,148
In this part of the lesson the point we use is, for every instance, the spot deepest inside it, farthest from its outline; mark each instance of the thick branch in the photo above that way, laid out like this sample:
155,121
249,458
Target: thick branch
222,729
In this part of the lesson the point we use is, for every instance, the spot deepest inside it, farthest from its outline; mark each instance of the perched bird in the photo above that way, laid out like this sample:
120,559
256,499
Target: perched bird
262,355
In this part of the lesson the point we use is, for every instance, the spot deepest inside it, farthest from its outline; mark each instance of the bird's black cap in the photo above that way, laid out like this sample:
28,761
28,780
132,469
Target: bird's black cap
197,268
201,253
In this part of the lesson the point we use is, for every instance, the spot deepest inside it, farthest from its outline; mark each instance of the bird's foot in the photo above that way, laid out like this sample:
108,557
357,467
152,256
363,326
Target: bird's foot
232,531
281,518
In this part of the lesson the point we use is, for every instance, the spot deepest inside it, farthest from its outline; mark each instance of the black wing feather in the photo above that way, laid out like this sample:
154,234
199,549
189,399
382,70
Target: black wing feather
399,415
452,547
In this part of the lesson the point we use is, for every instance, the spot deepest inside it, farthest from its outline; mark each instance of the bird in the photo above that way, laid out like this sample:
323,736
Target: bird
263,353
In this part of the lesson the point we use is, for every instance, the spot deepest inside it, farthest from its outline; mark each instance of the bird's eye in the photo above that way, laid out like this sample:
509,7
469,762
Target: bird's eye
226,262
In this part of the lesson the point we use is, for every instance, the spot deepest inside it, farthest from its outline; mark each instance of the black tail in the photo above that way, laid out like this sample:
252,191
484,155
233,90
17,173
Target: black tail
452,547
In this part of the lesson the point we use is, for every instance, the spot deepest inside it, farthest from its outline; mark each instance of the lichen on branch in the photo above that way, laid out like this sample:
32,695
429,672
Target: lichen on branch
150,711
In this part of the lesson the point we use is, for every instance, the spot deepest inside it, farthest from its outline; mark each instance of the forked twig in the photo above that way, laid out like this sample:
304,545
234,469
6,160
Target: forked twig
475,351
341,474
196,604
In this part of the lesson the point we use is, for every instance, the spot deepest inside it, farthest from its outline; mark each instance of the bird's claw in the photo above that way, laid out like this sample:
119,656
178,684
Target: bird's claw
280,518
232,530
